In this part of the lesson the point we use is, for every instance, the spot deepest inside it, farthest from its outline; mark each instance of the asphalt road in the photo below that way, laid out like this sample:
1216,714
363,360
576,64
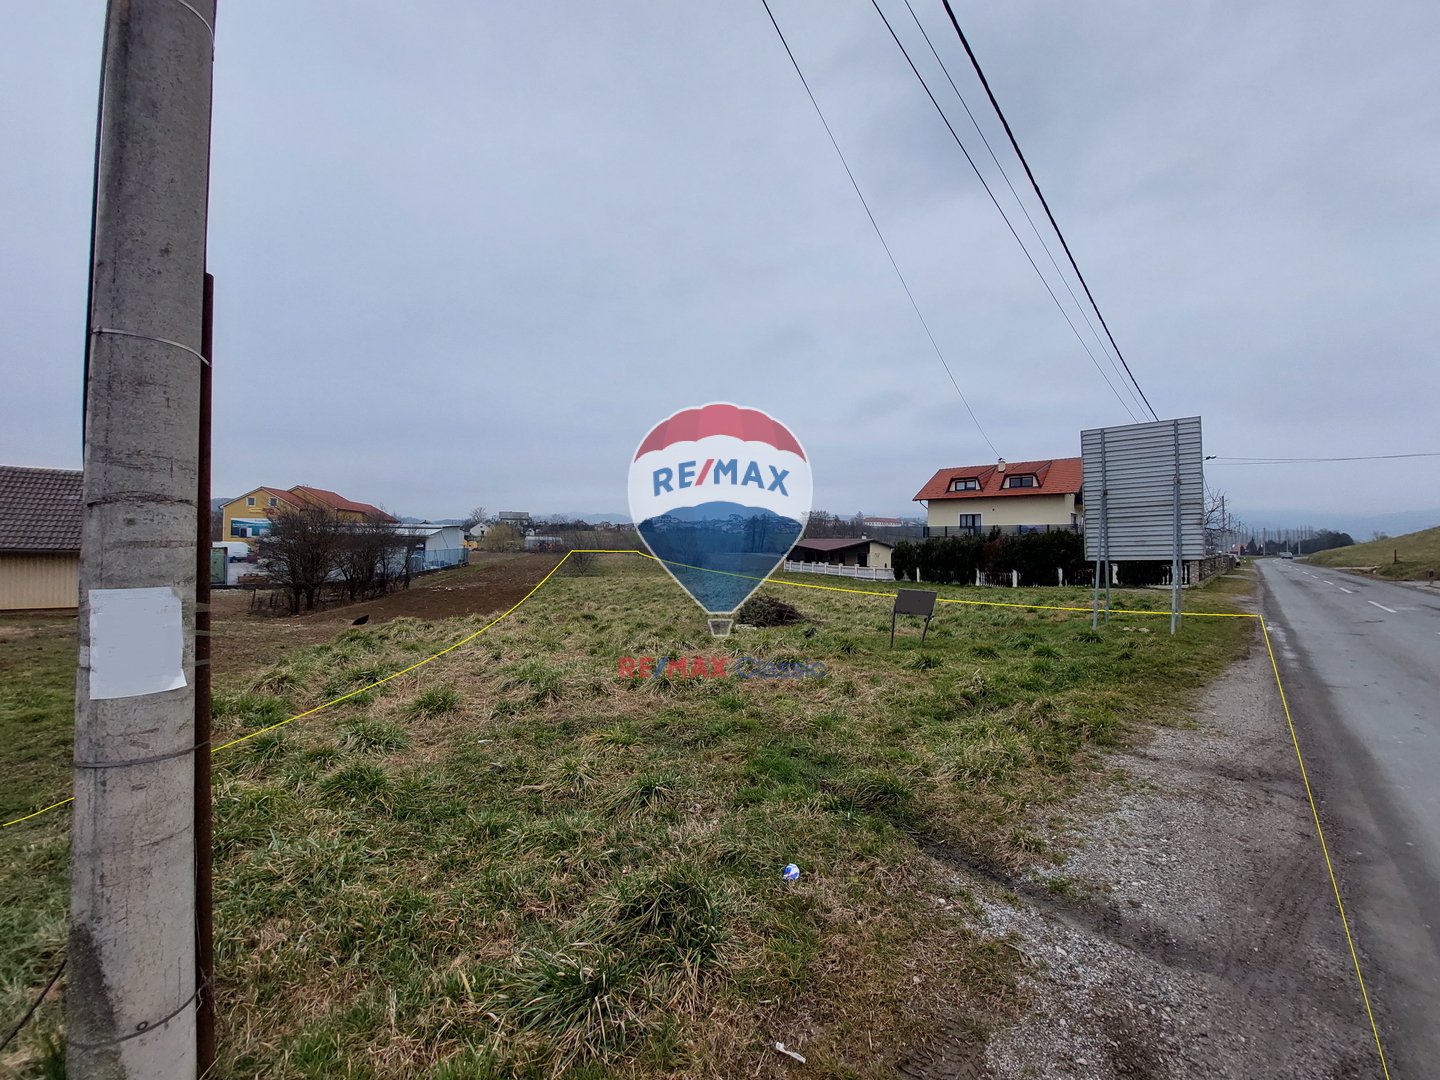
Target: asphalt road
1361,665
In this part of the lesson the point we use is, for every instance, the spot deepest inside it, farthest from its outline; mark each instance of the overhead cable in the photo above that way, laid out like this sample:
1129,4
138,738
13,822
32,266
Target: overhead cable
1008,223
1306,460
1041,196
1081,307
876,226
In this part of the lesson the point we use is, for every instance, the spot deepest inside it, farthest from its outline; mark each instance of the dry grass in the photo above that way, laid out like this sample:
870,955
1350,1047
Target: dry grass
1412,557
37,705
515,863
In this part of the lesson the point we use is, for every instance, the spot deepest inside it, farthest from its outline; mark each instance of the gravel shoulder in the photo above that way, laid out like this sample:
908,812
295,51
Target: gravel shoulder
1192,931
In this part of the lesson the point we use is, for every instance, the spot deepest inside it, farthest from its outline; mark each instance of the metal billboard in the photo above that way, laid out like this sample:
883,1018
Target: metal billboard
1144,491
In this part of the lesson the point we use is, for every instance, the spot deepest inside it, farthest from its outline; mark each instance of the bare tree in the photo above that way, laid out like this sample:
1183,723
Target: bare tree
300,551
1216,524
367,554
476,515
822,525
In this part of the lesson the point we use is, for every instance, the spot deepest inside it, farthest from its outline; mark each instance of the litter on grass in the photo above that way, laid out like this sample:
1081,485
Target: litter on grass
791,872
789,1053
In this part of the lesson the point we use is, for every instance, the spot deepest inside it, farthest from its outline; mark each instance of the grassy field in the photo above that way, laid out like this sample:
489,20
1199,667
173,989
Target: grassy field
1412,557
37,706
515,862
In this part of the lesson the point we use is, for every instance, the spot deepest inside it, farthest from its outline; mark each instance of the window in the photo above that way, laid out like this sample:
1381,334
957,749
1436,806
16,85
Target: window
1025,481
965,484
274,501
970,521
250,500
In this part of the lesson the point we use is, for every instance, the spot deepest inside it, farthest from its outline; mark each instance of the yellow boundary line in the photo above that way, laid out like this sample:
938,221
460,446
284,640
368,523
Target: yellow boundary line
344,697
1274,666
37,813
1324,847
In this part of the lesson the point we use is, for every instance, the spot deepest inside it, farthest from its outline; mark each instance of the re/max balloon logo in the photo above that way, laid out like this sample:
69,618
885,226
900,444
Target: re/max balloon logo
713,667
685,475
719,494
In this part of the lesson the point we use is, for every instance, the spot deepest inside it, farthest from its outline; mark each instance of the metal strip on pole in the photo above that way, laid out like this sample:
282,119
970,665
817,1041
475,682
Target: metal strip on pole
133,937
1105,521
204,832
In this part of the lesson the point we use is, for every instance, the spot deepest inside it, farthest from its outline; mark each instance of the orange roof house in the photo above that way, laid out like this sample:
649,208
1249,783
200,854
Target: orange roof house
1016,496
248,517
348,509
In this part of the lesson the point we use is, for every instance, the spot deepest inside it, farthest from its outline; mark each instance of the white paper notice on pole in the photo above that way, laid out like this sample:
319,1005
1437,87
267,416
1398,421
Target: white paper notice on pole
137,642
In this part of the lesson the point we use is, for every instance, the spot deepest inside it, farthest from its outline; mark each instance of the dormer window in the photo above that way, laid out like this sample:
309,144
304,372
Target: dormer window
968,483
1024,480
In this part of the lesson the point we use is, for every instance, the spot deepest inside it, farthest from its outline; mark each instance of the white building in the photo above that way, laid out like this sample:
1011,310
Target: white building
435,546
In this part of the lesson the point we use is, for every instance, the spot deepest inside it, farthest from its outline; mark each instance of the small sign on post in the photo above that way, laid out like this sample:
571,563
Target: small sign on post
913,602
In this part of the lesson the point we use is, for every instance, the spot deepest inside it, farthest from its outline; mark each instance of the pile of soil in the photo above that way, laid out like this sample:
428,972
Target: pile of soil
769,611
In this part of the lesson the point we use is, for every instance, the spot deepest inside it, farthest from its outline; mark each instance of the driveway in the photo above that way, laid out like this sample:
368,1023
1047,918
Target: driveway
1361,664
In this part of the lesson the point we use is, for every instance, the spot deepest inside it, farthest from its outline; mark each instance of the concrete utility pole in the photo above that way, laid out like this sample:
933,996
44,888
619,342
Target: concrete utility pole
132,985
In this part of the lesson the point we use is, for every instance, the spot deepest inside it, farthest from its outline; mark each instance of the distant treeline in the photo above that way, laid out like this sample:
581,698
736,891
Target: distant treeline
826,526
1324,540
821,525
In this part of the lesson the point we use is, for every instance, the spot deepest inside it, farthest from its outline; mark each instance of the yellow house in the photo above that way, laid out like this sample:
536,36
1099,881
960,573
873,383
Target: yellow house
249,516
1018,496
345,509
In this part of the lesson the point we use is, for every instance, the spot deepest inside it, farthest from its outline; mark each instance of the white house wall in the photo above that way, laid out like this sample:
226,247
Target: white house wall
1004,510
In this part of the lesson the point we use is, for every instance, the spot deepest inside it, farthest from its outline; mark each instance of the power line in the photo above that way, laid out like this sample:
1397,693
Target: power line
1041,196
875,225
1303,460
1008,224
1084,313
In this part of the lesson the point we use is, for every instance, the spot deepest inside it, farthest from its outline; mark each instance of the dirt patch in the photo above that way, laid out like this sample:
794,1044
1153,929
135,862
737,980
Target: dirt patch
1192,931
953,1055
244,641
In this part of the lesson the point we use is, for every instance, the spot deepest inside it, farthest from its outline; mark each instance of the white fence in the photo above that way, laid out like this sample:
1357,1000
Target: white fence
864,573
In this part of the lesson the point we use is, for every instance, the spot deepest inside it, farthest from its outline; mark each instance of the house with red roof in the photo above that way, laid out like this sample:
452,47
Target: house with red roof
250,515
345,509
1016,497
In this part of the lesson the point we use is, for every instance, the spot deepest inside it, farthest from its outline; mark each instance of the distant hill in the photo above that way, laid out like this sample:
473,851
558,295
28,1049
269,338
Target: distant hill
1414,556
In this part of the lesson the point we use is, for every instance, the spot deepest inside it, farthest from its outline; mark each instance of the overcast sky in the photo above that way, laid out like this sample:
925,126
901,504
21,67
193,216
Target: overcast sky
470,252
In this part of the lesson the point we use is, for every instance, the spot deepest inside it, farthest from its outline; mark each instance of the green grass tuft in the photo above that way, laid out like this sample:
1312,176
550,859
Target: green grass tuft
370,736
434,701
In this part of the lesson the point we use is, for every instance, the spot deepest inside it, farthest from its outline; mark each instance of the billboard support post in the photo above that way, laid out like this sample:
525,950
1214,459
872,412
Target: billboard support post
1151,482
1100,552
1175,565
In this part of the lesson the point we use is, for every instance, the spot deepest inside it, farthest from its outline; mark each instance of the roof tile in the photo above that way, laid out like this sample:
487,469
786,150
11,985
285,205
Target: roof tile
1056,476
40,509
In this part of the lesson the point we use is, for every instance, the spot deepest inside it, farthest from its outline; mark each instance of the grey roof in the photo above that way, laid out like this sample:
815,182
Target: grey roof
39,509
841,544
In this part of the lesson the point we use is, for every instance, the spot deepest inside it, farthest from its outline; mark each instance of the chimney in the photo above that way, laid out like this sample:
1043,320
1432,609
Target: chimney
1000,467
